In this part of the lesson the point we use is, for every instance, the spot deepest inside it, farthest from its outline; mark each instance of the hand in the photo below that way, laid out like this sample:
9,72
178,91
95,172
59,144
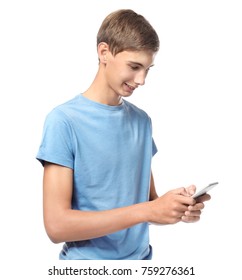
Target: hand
170,207
194,212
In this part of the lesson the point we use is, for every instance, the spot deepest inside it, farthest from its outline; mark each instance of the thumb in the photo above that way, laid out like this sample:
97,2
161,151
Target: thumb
191,190
181,191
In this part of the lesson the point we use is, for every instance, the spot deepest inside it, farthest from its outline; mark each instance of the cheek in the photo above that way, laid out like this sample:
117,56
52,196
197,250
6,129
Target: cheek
117,74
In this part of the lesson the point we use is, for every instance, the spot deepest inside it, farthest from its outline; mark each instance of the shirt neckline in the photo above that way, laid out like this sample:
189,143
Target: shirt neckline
101,105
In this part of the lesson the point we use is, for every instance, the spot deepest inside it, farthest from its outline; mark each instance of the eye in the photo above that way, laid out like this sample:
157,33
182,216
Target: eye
134,67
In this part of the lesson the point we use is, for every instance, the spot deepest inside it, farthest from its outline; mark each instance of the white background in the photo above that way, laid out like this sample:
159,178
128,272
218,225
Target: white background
193,95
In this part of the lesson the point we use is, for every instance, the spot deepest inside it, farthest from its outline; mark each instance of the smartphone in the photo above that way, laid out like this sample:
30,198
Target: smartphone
205,190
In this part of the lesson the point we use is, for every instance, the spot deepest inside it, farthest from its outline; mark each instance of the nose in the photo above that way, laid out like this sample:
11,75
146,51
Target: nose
139,78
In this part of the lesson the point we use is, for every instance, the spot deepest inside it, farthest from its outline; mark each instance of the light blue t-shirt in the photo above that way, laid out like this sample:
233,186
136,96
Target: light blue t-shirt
110,149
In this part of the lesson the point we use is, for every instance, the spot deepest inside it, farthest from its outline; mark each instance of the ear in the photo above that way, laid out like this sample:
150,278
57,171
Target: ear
103,50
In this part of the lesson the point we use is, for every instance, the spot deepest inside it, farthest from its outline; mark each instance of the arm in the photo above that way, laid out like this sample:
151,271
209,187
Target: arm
65,224
153,193
193,212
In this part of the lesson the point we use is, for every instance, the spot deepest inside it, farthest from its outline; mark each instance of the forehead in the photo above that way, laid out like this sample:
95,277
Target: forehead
143,58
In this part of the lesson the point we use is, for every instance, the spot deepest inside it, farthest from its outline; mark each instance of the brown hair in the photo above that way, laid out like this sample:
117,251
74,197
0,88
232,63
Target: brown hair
126,30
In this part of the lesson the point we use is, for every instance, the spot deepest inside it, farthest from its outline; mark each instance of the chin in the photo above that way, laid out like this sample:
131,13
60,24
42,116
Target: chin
126,93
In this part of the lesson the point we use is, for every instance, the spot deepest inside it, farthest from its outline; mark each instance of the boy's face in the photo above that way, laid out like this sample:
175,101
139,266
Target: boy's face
127,70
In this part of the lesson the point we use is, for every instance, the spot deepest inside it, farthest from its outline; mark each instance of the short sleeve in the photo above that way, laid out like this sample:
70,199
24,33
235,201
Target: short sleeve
57,140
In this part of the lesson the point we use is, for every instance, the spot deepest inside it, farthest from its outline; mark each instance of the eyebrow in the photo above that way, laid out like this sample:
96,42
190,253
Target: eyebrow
140,64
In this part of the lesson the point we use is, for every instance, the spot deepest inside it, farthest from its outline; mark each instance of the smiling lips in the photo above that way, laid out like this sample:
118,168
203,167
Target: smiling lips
130,87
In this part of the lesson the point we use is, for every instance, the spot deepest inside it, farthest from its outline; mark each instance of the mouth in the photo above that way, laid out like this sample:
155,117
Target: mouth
131,88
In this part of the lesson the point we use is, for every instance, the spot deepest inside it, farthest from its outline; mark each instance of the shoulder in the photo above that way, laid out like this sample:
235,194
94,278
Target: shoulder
63,112
136,110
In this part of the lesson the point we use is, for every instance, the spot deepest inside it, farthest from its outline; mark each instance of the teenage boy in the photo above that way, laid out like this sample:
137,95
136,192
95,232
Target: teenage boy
99,193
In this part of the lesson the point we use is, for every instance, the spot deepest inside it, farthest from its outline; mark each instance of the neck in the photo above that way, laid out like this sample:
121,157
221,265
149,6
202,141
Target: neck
100,92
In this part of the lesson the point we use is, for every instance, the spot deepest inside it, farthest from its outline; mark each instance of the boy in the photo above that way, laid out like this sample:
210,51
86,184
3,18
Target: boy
99,193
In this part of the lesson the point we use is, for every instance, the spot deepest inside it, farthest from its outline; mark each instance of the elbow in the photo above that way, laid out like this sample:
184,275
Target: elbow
54,232
54,238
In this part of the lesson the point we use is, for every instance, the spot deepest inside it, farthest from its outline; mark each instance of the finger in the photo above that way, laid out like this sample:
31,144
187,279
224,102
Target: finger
188,219
192,213
195,207
186,200
191,189
181,191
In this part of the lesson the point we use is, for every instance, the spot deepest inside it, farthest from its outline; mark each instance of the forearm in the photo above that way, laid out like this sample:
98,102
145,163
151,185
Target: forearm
64,224
72,225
